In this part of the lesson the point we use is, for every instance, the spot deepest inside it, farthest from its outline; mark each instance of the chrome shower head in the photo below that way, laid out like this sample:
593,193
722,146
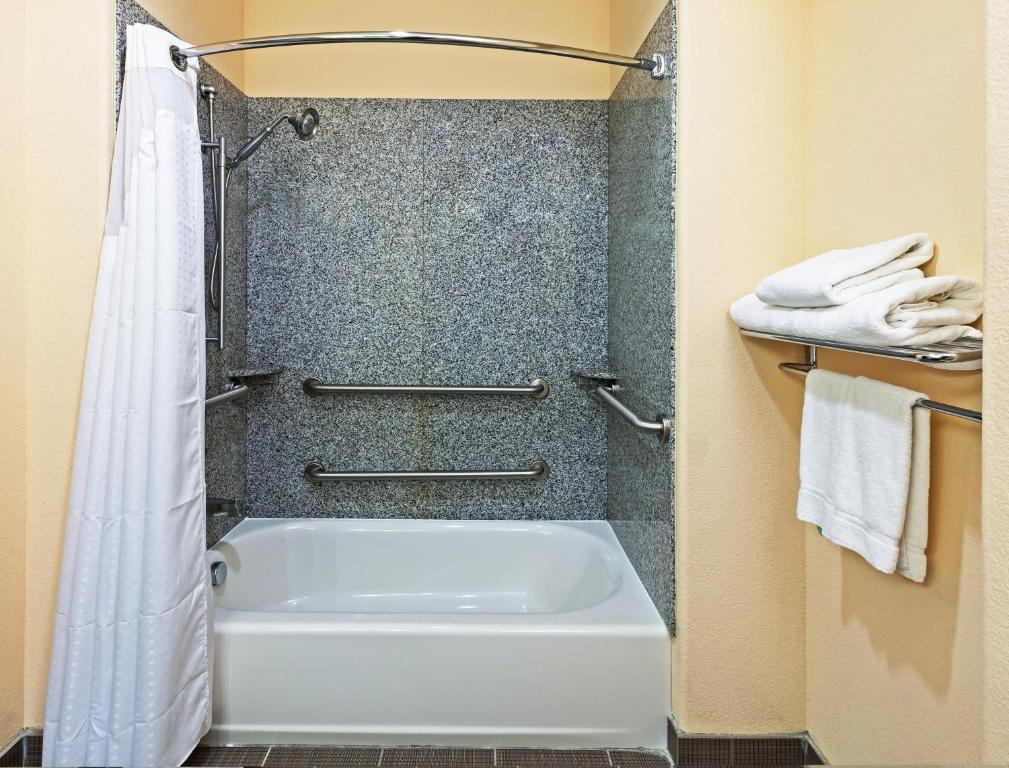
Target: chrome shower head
306,125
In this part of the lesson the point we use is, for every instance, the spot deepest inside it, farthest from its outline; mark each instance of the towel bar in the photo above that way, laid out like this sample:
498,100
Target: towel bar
802,369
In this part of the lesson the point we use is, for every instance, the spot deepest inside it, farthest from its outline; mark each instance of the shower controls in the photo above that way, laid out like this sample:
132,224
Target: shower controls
218,507
218,573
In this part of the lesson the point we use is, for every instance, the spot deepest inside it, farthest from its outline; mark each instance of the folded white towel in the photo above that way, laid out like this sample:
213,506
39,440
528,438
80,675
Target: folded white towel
912,313
864,469
842,275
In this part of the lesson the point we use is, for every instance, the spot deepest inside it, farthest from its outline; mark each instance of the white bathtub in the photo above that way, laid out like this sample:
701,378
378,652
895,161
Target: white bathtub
435,632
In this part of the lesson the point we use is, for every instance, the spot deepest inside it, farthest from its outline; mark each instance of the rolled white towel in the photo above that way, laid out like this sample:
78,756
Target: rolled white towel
844,274
912,313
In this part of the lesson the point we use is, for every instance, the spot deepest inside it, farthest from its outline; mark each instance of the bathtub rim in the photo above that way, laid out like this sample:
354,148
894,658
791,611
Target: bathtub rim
627,611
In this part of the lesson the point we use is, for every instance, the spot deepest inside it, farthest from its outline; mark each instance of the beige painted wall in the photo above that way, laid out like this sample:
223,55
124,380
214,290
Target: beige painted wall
65,191
895,143
437,72
809,125
199,21
12,352
630,23
740,213
995,488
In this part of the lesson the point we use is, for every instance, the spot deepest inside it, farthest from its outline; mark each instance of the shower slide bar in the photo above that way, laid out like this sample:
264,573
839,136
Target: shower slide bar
538,388
538,470
657,65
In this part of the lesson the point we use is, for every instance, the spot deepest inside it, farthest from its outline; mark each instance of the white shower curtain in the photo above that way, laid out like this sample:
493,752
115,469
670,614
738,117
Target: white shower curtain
129,680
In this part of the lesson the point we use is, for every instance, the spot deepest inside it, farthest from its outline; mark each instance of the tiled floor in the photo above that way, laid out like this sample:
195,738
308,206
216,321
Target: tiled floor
26,752
422,757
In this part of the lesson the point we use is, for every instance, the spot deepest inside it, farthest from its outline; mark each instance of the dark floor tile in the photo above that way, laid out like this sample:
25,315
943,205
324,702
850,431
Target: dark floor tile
435,757
673,741
811,755
783,752
227,757
628,758
32,745
694,752
323,757
12,757
552,758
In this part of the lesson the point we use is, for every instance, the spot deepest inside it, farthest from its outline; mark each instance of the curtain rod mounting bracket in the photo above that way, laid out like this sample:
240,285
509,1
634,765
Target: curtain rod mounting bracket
661,70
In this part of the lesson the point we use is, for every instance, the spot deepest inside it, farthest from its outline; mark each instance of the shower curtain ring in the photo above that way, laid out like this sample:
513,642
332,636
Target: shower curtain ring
181,62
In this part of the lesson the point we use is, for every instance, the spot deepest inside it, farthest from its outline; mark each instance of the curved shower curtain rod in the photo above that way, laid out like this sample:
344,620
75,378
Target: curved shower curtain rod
657,65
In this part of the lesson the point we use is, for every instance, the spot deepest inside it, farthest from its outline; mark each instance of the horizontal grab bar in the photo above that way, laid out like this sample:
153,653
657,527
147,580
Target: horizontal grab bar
537,388
226,395
661,427
538,470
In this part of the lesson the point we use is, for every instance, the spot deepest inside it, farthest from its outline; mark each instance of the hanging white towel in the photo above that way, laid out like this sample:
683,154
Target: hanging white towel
842,275
912,313
129,676
864,469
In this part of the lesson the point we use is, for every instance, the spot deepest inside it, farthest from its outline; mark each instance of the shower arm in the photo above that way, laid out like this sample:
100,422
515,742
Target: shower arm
657,65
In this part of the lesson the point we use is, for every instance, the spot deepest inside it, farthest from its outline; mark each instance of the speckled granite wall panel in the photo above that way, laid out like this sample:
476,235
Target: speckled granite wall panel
436,242
641,291
226,423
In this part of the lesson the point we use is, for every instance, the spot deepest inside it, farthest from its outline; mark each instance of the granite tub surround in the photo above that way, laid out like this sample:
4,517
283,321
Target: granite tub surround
226,431
429,242
640,309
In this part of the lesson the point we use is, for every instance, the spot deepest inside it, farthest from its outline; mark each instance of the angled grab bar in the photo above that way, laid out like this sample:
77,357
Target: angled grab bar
537,388
538,470
662,427
226,395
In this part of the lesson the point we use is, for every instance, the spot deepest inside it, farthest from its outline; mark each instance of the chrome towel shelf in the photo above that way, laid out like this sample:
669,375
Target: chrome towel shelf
538,470
945,353
537,388
934,355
